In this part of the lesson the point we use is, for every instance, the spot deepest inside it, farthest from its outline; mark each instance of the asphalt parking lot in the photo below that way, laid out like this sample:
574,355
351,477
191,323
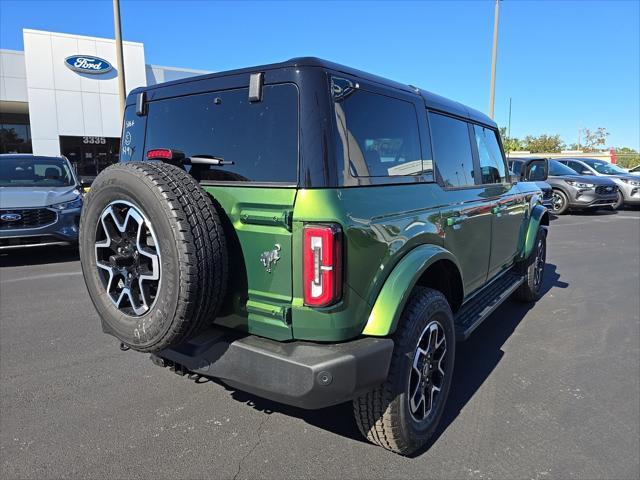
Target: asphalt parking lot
549,391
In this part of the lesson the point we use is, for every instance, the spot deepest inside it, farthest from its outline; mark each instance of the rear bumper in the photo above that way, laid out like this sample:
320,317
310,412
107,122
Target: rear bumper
303,374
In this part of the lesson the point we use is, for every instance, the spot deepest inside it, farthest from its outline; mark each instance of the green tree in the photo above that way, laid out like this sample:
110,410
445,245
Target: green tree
594,139
627,157
510,144
543,143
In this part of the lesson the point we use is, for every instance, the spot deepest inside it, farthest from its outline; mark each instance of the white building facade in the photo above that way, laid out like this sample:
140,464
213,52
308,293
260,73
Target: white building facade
60,96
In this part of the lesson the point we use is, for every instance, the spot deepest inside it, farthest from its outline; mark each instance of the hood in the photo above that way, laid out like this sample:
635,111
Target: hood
627,176
596,180
30,197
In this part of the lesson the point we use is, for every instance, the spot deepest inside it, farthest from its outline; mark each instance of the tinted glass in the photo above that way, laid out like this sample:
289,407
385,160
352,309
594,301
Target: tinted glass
35,172
260,138
576,166
515,167
15,138
380,134
451,150
492,168
558,169
90,155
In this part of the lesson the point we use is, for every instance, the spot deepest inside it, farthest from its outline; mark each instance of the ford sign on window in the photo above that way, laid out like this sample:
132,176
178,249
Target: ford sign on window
87,64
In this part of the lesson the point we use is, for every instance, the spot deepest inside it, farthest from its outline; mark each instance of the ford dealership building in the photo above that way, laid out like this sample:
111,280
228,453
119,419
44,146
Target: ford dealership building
60,96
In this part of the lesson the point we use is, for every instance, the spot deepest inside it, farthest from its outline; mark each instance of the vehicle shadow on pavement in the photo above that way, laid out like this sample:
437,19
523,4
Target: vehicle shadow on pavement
38,256
477,358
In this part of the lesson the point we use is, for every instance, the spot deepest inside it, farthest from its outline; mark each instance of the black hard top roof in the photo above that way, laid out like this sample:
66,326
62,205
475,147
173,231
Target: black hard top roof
431,99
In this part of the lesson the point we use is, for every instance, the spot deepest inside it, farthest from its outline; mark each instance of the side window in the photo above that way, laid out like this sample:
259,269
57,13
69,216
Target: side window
379,133
576,166
492,168
451,150
516,167
259,140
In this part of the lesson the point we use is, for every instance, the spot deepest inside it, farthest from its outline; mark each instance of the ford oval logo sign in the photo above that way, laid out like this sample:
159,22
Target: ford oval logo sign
87,64
10,217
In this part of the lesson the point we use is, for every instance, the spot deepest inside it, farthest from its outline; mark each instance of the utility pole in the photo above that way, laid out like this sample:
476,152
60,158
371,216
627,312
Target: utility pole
494,58
122,93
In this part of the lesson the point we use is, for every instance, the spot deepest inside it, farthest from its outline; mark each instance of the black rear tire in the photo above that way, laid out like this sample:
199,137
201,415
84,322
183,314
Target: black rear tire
533,270
385,415
188,245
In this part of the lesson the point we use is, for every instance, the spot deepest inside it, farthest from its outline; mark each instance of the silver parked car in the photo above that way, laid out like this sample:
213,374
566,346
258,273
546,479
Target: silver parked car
40,201
628,185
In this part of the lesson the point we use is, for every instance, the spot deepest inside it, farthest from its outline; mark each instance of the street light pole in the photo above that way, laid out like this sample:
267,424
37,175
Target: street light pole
494,57
119,56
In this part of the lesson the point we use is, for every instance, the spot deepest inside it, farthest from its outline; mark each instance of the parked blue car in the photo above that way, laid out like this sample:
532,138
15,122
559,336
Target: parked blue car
40,201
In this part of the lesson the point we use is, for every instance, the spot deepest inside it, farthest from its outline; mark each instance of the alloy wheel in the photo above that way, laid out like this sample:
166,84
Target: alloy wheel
539,263
557,202
128,258
427,374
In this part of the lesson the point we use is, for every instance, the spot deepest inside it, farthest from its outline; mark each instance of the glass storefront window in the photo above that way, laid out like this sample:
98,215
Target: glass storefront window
15,138
90,155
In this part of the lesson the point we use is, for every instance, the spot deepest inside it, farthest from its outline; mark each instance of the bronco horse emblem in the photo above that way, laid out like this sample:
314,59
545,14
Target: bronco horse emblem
269,258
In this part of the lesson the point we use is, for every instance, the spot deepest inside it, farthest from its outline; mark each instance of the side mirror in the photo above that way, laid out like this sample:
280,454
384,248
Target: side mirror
537,171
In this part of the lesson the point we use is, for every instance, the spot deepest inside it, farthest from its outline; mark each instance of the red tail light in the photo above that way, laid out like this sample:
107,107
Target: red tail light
165,154
160,154
322,265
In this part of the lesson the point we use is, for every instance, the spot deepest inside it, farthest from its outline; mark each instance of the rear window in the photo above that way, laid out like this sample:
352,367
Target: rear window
259,138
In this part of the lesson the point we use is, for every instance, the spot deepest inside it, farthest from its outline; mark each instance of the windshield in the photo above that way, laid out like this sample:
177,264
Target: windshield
35,172
558,169
605,168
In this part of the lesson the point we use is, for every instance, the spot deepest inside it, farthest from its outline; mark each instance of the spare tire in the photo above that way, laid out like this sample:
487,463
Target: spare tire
153,254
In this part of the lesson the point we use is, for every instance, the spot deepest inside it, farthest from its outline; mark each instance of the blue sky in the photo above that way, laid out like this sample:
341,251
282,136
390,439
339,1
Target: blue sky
566,64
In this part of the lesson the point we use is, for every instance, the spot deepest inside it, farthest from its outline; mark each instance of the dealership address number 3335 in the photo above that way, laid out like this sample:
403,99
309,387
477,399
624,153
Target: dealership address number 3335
94,140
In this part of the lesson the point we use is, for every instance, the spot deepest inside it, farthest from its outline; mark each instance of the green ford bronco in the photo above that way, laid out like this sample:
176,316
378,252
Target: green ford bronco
311,234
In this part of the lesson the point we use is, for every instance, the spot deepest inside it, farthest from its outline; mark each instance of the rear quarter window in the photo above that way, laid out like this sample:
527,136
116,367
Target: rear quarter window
260,138
380,135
